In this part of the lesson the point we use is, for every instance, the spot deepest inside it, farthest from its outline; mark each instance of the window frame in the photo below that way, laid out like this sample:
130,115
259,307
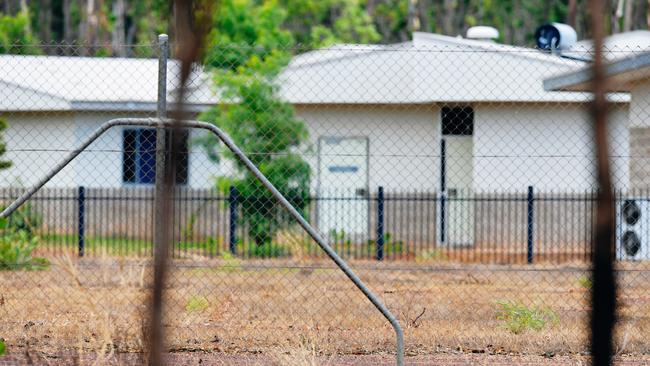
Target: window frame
137,158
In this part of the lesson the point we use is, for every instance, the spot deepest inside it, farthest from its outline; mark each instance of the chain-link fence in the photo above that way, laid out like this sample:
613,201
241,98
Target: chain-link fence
455,176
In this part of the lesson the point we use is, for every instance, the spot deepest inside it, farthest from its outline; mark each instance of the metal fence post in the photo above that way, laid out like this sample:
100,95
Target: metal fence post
163,43
530,217
380,223
81,218
232,200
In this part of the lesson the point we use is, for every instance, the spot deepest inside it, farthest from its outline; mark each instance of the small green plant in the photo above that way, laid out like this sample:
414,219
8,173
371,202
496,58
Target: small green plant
431,256
25,219
16,247
197,304
585,282
519,318
3,347
268,250
340,237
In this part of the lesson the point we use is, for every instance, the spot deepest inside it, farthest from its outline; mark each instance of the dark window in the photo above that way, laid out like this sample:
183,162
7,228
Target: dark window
457,121
139,157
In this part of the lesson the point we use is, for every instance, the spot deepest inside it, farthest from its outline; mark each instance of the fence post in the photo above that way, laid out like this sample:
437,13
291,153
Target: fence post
232,200
380,223
81,218
161,143
530,216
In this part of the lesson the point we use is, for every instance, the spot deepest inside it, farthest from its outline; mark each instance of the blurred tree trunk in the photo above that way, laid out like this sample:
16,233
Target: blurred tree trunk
45,20
627,16
11,7
68,31
571,13
119,28
448,20
423,13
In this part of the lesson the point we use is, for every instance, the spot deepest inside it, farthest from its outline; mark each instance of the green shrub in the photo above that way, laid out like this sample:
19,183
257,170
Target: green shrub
25,219
268,250
519,318
16,247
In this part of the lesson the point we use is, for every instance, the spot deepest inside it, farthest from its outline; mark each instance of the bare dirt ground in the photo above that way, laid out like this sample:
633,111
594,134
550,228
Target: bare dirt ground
230,311
297,359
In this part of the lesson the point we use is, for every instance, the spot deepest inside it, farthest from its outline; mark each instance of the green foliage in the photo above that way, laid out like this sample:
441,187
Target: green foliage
266,250
16,247
320,23
15,37
25,219
247,51
585,282
197,304
3,347
519,318
3,147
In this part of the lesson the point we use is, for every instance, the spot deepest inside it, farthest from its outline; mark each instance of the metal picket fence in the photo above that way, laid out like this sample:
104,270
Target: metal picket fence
455,176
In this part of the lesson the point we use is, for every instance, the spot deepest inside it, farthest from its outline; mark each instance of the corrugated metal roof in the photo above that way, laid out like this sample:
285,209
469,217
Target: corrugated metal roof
431,68
82,82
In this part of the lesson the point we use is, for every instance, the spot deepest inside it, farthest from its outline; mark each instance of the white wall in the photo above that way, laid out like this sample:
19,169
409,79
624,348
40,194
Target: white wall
515,145
549,148
404,147
35,143
640,105
102,165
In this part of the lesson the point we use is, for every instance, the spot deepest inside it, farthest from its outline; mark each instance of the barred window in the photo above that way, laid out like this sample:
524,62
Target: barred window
457,121
139,157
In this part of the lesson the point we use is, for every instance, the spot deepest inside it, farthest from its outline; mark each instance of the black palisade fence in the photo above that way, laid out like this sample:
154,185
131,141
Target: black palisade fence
480,227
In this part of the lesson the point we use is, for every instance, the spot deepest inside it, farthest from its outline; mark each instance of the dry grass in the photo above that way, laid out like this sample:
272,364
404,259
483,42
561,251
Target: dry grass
300,312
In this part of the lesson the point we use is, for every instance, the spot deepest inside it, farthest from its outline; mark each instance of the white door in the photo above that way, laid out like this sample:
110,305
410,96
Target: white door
343,187
459,210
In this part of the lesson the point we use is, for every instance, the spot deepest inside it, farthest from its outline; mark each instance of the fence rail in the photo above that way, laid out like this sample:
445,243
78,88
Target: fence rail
503,227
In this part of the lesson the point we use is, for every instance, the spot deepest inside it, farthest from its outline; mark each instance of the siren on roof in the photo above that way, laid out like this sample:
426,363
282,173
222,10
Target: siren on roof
555,36
482,33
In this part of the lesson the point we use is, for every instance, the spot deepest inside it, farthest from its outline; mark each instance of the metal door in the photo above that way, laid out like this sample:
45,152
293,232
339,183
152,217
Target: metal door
343,187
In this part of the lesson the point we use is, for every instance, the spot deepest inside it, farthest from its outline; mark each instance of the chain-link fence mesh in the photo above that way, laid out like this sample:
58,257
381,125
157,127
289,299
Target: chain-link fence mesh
457,183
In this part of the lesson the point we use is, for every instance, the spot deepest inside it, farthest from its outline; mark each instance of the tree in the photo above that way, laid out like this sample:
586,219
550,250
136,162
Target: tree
247,51
321,23
15,35
3,147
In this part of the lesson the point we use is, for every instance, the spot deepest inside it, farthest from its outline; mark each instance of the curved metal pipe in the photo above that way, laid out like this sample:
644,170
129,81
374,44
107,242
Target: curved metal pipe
162,123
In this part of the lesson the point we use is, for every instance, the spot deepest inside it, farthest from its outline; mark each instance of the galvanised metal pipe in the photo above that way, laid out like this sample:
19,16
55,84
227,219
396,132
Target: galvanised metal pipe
165,123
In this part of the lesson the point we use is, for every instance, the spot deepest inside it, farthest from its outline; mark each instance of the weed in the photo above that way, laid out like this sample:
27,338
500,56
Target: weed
519,318
196,304
16,247
585,282
3,347
431,256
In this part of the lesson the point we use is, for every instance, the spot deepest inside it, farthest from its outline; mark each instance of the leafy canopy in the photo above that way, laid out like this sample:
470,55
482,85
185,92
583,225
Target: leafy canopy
15,37
248,49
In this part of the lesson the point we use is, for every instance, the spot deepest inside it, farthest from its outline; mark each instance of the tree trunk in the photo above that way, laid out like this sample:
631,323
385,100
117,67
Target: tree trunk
571,13
412,20
68,32
423,7
448,22
24,10
119,31
627,16
45,21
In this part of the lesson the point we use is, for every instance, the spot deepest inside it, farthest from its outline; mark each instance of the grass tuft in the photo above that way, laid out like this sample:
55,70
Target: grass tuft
197,304
519,318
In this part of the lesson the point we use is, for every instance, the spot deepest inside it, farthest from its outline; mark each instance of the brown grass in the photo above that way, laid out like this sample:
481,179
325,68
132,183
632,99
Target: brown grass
305,310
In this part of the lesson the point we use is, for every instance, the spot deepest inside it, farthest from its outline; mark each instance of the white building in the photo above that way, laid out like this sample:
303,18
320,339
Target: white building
390,99
437,113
